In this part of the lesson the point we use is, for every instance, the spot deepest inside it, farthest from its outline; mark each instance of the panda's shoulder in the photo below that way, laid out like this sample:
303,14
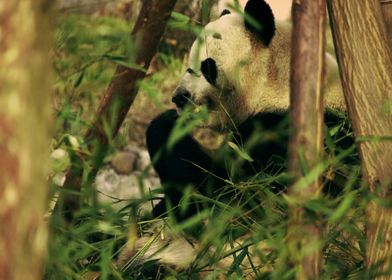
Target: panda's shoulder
263,121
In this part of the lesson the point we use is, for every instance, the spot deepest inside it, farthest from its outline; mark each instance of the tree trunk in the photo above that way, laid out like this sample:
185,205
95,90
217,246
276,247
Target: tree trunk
306,143
387,13
25,40
366,70
119,97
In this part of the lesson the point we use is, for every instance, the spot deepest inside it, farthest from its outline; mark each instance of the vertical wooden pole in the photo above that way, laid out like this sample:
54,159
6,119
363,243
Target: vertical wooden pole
25,86
306,143
366,70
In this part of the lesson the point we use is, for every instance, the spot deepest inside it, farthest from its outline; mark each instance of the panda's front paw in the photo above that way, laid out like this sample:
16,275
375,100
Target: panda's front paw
162,125
159,130
166,119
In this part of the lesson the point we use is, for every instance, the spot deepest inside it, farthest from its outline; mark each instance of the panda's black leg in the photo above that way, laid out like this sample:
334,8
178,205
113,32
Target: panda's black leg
179,166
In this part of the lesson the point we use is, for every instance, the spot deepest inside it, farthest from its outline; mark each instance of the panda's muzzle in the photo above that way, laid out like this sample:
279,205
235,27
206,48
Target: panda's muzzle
181,97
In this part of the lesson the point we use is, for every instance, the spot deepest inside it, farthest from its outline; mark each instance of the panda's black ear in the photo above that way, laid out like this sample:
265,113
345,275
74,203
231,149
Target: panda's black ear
259,20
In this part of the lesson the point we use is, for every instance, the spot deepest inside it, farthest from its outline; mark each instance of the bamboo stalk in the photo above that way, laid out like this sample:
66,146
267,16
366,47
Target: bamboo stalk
307,74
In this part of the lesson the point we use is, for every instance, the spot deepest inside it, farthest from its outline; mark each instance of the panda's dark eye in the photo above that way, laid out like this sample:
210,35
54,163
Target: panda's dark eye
209,70
193,72
225,12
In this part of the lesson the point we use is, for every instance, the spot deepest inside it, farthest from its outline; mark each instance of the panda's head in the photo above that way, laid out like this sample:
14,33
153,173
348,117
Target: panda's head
238,67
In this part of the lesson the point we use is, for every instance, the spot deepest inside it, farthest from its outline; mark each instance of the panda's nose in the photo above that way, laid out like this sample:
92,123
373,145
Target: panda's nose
181,97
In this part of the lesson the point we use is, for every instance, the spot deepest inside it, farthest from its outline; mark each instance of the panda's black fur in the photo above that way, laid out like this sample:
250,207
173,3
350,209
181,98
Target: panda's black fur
186,162
265,31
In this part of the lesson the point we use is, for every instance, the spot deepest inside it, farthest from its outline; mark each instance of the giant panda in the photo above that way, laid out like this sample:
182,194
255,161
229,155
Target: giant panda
238,71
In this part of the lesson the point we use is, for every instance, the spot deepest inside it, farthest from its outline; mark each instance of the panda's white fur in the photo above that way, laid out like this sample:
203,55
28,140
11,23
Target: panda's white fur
280,8
252,78
229,5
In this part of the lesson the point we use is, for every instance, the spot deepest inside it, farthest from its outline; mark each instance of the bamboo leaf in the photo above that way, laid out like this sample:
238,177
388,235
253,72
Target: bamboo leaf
241,152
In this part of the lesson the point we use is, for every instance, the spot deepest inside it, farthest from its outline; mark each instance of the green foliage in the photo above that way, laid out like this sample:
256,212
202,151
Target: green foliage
89,245
86,51
85,54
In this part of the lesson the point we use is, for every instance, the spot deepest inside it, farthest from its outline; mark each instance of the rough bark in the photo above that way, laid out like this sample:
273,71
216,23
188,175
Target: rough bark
119,97
306,143
25,39
386,6
366,70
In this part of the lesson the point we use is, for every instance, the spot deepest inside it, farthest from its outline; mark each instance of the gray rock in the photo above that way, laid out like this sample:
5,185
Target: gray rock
143,162
124,162
119,190
129,178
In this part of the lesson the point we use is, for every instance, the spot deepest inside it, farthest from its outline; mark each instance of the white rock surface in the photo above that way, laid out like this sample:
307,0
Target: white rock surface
118,190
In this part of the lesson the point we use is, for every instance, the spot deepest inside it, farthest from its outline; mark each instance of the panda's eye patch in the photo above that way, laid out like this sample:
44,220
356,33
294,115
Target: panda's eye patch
209,70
